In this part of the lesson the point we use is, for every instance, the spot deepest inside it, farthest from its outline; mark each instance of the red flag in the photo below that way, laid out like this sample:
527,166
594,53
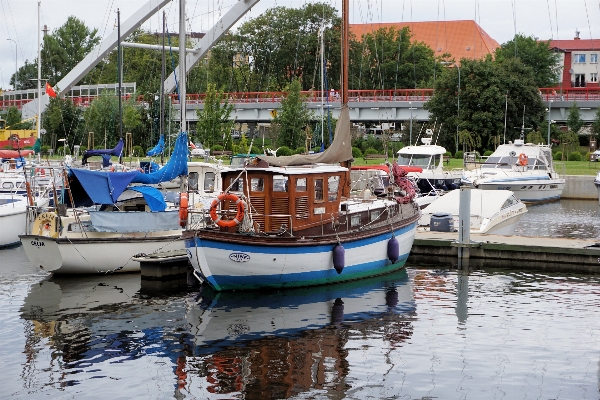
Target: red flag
49,91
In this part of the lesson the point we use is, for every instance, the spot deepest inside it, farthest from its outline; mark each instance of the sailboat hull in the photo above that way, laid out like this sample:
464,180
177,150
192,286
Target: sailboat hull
230,263
93,256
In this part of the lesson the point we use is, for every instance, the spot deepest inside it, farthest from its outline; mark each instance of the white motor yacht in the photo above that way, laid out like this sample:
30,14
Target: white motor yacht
496,212
524,168
424,164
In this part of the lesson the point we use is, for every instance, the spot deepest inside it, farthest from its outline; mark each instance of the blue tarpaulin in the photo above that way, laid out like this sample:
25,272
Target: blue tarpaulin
158,149
103,187
154,198
176,166
113,152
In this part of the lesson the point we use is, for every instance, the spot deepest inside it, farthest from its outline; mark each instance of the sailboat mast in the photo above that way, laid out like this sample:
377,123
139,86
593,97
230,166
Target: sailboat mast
39,75
161,125
345,53
182,54
119,74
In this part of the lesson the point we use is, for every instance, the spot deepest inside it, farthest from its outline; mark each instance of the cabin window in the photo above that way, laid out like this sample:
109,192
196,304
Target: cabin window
355,220
7,185
193,180
375,215
319,189
333,183
238,185
301,185
209,181
280,183
257,184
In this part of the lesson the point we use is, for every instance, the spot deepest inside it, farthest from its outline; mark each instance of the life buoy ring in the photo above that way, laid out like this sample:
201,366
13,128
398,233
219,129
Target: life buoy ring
45,225
523,159
40,172
112,168
183,209
140,98
230,223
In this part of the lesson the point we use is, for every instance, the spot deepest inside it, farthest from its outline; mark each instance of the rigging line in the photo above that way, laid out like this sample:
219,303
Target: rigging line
515,24
550,19
556,12
413,49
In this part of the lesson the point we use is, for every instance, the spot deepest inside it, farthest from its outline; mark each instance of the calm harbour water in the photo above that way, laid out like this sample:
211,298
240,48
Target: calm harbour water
427,332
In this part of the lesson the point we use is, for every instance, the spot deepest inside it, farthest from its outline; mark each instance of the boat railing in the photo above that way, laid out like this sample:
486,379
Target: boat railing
200,218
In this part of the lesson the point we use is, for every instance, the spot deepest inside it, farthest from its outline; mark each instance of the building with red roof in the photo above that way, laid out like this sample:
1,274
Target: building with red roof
579,61
462,39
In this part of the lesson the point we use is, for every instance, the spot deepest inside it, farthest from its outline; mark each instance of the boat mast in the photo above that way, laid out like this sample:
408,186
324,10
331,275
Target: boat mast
344,82
182,54
39,75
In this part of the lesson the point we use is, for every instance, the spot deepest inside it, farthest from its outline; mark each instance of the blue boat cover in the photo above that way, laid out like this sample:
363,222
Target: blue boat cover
159,148
176,166
101,187
113,152
134,221
154,198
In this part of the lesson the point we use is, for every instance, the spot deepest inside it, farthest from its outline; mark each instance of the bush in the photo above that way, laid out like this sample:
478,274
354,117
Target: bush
459,155
487,153
371,150
255,150
284,151
216,147
356,152
137,151
300,150
558,156
575,156
449,154
44,149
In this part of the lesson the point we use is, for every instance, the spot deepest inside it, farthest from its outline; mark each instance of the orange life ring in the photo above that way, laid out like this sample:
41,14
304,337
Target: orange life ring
230,223
183,209
112,168
40,171
523,159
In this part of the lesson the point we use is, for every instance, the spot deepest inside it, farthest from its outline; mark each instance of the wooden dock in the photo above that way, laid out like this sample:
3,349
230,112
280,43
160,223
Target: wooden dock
556,254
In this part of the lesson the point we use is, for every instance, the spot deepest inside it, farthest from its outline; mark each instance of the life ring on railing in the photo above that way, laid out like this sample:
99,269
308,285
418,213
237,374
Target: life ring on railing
40,172
183,209
230,223
140,98
523,159
45,225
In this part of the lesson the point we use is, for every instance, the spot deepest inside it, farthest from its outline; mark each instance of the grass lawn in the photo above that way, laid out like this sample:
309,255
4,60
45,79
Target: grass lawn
562,167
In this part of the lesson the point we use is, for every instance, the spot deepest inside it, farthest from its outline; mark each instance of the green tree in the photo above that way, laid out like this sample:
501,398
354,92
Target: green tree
535,54
213,120
387,59
293,117
62,119
26,76
102,118
283,43
487,87
468,140
13,117
596,123
66,47
574,121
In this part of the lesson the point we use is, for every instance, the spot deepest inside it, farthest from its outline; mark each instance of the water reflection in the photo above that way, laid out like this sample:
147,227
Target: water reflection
578,219
258,345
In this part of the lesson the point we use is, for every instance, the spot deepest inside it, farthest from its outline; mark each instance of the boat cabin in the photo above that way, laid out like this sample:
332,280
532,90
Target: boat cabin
527,156
426,156
292,198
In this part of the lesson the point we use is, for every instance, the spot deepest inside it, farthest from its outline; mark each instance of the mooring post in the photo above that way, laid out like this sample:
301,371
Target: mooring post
464,222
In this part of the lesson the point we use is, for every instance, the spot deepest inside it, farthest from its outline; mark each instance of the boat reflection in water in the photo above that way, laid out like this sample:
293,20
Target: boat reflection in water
255,344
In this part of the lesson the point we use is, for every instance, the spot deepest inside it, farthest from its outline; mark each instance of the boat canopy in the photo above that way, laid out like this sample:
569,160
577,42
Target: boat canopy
117,151
134,221
339,151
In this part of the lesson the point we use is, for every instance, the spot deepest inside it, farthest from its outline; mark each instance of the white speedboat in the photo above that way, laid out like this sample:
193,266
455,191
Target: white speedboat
425,164
492,212
13,211
524,168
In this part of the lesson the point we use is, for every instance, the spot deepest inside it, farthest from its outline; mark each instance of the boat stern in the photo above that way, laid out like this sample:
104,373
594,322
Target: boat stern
42,251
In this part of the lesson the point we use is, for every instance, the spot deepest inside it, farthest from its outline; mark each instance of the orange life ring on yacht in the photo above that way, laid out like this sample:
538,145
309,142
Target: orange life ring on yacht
40,171
523,159
230,223
183,209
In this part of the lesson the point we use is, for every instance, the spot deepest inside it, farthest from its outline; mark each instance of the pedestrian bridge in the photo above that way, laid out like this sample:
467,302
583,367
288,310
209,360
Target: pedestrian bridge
366,106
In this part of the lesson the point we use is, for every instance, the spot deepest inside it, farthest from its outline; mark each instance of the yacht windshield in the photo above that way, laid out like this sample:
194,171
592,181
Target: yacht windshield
419,160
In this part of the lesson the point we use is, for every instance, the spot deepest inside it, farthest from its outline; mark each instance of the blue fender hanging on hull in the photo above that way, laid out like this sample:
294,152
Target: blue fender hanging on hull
393,249
339,258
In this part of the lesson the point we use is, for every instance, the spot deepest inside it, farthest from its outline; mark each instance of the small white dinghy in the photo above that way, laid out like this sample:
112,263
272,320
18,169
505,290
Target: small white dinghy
495,212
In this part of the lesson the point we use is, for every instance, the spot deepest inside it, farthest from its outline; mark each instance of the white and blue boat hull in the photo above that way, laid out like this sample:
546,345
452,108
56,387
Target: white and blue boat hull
236,263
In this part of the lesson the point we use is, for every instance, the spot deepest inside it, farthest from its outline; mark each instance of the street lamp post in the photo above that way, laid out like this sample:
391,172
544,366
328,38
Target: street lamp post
16,69
549,120
411,108
458,97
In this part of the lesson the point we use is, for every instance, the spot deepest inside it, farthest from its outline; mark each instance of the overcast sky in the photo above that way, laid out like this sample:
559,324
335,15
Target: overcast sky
545,19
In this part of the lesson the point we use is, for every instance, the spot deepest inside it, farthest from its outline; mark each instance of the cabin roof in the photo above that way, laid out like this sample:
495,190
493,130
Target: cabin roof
296,170
427,150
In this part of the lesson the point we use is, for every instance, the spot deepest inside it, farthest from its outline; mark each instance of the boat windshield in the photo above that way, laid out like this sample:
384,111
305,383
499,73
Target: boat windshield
424,161
507,162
